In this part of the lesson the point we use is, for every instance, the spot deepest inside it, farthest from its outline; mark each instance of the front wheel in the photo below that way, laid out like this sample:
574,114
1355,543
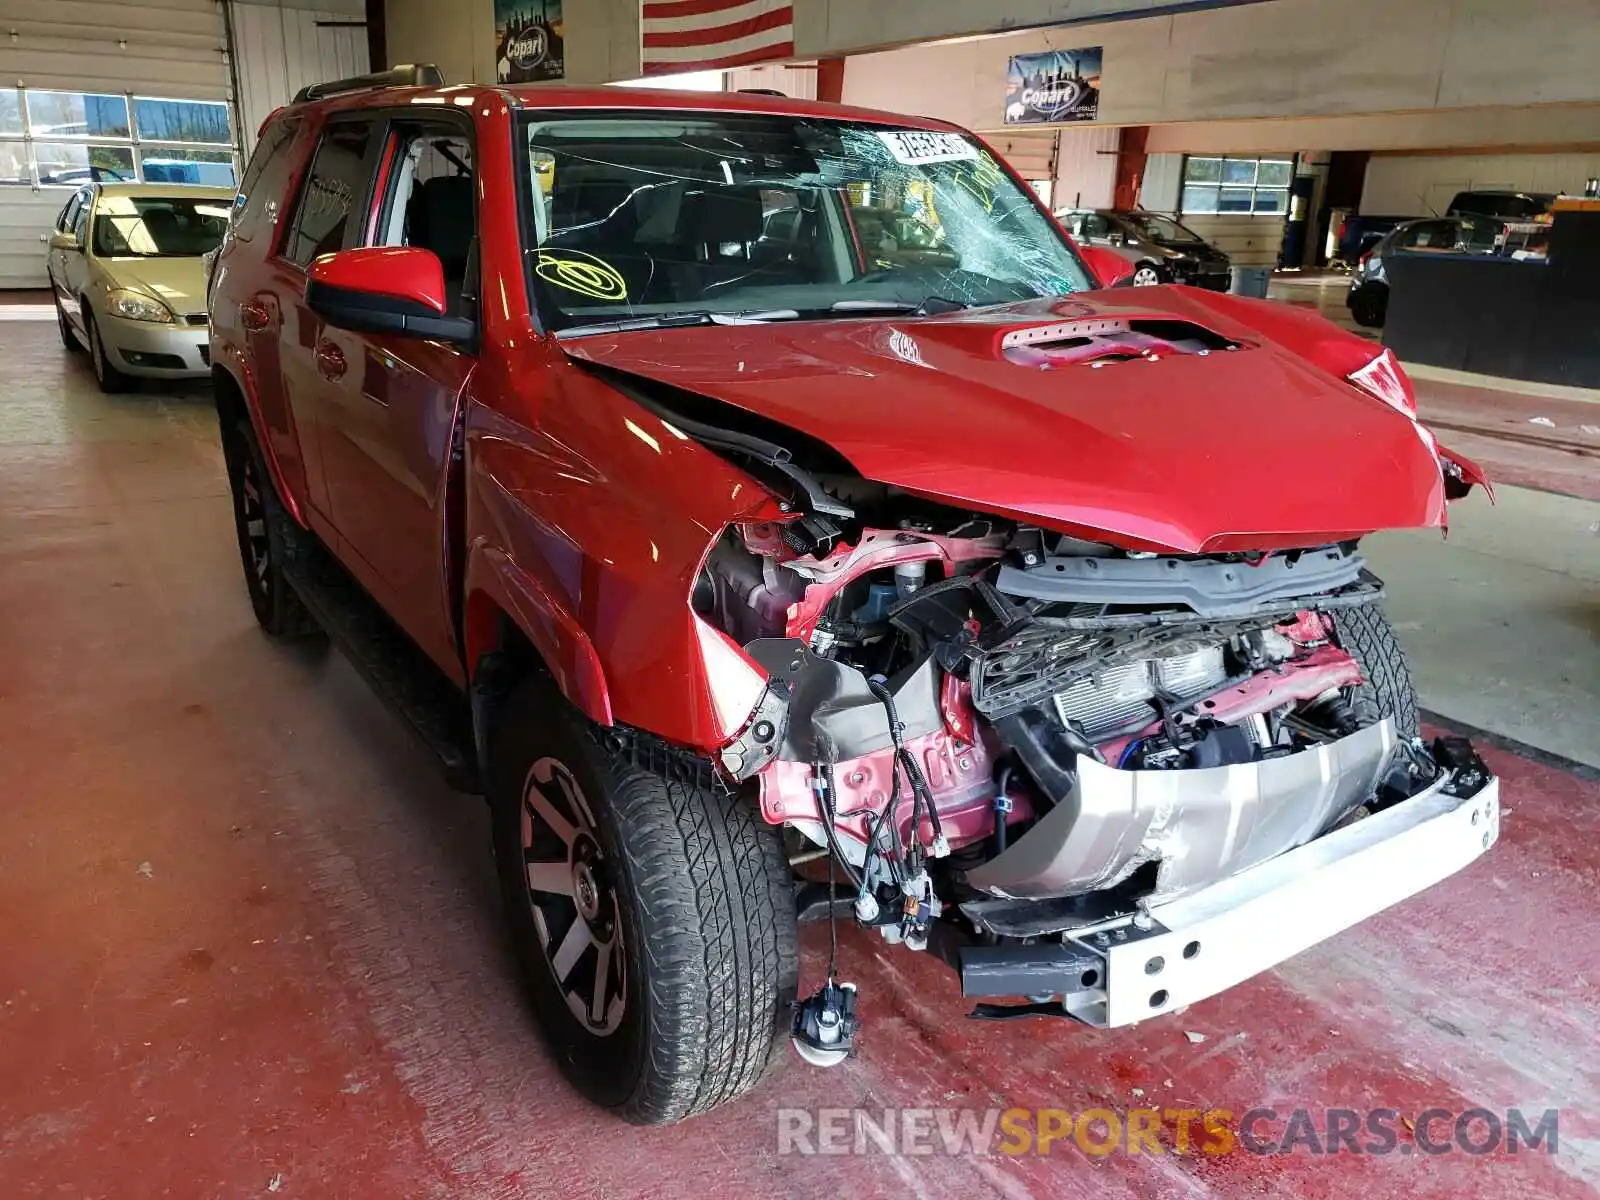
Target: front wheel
653,916
1366,634
1146,275
106,374
68,338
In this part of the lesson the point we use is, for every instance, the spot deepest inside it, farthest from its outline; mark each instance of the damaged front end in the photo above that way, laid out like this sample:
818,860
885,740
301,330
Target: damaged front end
1106,782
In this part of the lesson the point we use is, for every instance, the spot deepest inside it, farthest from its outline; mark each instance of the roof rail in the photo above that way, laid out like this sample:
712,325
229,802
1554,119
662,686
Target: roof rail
763,92
404,75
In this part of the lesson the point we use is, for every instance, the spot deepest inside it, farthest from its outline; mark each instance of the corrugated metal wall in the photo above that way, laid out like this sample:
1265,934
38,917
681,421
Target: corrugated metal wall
281,50
1086,167
1032,152
176,46
799,80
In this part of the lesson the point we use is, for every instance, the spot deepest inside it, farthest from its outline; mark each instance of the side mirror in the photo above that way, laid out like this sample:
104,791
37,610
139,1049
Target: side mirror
1108,267
61,241
385,289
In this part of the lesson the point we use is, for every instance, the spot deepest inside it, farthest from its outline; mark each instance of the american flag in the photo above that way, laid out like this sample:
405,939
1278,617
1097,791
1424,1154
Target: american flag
708,35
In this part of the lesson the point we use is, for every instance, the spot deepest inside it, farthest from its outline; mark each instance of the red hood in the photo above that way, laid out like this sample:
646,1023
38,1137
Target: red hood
1253,448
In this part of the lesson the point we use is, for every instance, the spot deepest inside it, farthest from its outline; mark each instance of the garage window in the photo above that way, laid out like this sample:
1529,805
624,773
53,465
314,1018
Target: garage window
64,139
1237,185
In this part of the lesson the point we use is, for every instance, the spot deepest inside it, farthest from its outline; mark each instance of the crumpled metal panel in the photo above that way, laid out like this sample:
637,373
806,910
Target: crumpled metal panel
1201,825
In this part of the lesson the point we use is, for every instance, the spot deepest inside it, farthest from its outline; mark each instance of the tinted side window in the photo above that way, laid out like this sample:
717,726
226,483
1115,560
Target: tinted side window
265,180
1096,226
336,186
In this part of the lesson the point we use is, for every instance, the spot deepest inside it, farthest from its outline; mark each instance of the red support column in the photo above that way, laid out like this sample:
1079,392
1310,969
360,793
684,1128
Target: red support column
1130,167
830,80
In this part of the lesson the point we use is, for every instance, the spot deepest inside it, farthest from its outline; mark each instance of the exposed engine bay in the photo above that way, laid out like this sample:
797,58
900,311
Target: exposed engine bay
1014,734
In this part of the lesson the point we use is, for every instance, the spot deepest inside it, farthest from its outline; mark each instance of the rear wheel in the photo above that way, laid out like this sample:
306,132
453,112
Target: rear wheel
1367,636
1367,308
267,538
653,916
106,373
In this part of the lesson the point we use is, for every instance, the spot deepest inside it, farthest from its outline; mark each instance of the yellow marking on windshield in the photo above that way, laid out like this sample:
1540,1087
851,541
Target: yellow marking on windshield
582,273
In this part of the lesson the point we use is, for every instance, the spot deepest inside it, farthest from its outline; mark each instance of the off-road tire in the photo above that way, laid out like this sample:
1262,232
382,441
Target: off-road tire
268,539
1367,636
701,890
106,374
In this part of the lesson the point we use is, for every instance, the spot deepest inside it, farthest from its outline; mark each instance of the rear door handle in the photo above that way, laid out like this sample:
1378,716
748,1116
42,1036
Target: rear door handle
330,361
254,316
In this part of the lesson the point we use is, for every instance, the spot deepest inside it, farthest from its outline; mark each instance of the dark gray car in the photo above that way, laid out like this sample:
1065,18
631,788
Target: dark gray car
1160,249
1369,284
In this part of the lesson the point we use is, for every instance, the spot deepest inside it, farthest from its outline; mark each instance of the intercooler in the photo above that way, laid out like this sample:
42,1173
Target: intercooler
1120,696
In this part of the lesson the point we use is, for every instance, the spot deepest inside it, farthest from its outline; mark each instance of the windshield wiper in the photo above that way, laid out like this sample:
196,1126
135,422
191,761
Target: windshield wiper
928,306
677,320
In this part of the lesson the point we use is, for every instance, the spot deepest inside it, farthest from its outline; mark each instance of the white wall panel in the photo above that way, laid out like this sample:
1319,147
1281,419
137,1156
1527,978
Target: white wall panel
24,215
1086,167
850,26
1426,183
1161,189
799,81
1523,128
282,49
1288,58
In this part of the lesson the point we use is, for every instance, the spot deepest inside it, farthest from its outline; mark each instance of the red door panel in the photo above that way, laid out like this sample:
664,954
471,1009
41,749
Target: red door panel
388,406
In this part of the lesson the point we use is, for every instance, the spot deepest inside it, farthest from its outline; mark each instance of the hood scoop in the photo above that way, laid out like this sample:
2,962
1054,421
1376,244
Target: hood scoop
1100,340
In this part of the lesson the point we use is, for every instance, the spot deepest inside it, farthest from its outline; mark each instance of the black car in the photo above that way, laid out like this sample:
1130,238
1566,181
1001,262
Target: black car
1369,287
1506,205
1160,249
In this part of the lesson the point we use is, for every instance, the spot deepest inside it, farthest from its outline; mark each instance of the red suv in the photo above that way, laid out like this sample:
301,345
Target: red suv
758,564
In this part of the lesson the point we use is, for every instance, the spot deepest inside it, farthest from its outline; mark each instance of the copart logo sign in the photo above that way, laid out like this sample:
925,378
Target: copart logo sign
527,50
1055,87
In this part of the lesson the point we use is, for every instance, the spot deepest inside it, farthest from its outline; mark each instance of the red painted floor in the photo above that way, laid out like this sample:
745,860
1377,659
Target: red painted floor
253,948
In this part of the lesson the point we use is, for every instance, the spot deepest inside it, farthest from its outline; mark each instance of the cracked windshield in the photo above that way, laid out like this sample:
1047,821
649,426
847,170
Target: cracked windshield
690,218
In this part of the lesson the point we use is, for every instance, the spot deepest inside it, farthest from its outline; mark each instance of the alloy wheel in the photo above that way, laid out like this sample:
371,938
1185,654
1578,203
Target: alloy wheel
1146,277
572,891
253,525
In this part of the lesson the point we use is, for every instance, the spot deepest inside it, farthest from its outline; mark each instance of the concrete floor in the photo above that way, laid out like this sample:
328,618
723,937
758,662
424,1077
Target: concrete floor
253,946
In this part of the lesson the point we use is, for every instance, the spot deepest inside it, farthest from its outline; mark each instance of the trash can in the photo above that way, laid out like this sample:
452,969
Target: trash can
1250,281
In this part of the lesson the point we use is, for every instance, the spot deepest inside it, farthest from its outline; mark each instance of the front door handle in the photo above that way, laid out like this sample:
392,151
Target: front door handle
254,316
330,361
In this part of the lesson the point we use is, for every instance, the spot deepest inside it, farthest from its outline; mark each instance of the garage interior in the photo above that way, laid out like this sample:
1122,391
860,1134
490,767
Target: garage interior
255,946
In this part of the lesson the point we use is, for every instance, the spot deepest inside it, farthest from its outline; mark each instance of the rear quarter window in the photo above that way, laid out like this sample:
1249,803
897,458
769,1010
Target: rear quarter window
338,185
261,192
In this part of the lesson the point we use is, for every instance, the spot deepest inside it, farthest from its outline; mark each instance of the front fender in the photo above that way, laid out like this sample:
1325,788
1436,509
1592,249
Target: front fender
493,585
588,518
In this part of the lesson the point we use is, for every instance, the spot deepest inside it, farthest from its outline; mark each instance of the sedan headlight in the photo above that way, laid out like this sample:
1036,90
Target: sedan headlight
136,306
